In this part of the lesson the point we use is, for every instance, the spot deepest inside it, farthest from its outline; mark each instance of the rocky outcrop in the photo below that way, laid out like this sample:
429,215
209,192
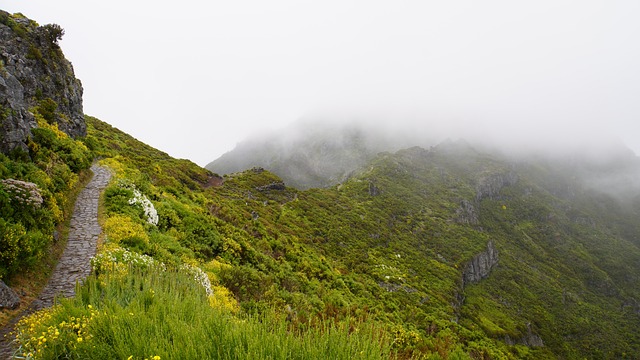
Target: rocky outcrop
487,187
467,214
490,186
480,266
631,305
530,339
35,76
8,298
390,287
373,189
276,185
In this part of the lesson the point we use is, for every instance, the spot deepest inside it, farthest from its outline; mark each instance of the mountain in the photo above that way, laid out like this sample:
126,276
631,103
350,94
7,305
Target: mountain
455,249
311,154
451,251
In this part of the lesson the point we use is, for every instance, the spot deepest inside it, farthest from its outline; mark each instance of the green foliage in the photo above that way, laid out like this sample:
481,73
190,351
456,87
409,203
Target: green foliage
34,53
19,248
393,256
47,108
9,20
53,33
148,314
52,165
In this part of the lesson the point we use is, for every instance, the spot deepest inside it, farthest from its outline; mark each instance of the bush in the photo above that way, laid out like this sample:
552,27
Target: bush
19,248
120,228
53,33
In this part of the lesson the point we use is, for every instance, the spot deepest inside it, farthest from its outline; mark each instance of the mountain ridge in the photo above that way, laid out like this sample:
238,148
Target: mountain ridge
442,252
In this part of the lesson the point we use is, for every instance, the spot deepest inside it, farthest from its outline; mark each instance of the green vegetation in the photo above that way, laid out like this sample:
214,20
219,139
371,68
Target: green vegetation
31,208
10,21
53,33
371,268
164,314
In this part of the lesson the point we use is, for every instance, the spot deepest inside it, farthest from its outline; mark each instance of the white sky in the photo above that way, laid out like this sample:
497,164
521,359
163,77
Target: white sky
193,78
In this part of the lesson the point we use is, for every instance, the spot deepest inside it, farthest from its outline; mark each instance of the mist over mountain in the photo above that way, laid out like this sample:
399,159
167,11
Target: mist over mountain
316,154
413,238
320,153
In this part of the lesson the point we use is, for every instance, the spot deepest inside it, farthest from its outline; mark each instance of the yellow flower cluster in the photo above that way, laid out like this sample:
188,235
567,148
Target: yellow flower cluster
156,357
405,338
222,298
42,123
120,227
35,335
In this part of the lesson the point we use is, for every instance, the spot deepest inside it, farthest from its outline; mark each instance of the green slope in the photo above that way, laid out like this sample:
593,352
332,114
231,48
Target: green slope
389,248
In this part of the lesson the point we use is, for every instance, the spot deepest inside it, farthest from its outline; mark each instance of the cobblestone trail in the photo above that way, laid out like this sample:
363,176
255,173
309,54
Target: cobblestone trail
74,265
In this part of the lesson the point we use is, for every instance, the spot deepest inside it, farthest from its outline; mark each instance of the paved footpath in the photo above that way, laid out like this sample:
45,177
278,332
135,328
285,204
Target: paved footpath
74,265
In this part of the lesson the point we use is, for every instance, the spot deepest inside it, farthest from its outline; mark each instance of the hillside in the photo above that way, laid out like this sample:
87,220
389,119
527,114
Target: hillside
451,252
310,154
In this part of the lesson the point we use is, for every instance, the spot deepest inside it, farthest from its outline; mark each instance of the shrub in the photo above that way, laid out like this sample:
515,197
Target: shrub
120,228
19,248
47,108
53,33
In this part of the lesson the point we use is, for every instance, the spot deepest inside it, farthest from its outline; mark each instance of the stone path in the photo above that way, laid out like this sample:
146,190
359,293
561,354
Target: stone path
74,265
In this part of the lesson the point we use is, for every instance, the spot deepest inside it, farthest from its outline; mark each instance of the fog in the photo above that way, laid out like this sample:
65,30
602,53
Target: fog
194,78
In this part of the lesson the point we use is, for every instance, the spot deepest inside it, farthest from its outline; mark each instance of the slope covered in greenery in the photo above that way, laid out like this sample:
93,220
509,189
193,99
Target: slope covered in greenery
312,154
378,260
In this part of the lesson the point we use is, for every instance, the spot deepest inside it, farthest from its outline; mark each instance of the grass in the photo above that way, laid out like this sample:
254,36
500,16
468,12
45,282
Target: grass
165,314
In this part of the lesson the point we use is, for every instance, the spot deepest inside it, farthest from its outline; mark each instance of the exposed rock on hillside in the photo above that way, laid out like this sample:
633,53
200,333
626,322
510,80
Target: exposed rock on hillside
489,187
467,214
35,74
480,266
8,298
276,185
530,339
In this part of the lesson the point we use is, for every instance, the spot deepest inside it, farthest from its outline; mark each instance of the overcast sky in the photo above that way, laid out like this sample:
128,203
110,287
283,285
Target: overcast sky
193,78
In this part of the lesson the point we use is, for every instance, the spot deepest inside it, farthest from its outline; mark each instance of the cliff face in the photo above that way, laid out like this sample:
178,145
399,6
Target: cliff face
490,186
480,266
35,78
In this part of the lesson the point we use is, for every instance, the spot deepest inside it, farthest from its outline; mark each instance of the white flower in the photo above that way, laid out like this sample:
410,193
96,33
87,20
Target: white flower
141,199
199,276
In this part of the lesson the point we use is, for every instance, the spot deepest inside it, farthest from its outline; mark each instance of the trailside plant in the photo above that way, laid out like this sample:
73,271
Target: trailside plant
166,314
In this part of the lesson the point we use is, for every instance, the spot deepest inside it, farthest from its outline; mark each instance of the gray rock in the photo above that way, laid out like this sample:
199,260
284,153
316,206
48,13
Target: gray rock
466,213
529,339
33,68
373,189
481,265
276,185
9,299
490,186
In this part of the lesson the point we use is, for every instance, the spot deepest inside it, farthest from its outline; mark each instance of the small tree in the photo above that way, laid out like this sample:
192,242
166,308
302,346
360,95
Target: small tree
53,33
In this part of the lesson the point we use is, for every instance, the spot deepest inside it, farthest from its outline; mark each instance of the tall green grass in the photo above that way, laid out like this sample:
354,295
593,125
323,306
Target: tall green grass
165,314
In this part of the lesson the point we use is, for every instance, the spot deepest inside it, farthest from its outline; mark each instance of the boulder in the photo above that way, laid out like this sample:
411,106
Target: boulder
8,298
